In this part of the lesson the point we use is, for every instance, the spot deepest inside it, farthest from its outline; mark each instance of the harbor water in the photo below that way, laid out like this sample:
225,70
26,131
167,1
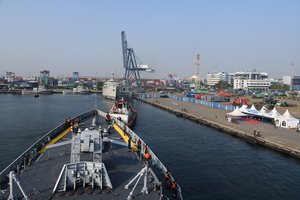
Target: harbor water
207,164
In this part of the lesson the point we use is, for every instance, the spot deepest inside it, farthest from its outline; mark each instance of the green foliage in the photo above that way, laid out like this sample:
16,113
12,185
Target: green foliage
283,87
100,85
270,106
222,85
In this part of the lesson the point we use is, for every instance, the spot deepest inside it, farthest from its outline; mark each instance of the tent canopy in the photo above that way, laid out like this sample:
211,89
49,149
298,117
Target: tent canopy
286,120
287,115
263,111
252,110
274,113
244,108
237,113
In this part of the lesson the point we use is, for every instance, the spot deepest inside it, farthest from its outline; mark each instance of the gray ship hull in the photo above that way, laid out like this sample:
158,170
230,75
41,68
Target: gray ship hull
39,174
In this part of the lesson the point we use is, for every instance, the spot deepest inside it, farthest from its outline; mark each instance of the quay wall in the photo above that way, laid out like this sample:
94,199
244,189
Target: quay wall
230,130
61,91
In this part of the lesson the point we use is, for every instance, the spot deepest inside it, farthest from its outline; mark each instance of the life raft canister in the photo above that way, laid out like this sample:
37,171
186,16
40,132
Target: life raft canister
147,156
174,185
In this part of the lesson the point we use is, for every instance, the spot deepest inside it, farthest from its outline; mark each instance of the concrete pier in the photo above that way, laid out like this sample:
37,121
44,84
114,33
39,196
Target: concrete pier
283,140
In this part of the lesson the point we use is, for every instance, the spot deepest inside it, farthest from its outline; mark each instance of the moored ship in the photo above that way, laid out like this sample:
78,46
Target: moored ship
77,161
111,88
122,111
40,90
80,89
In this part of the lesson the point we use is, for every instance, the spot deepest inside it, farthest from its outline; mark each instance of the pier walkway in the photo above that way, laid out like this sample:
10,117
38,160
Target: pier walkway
281,139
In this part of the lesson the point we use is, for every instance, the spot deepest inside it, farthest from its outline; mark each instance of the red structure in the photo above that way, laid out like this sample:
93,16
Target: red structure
239,101
225,94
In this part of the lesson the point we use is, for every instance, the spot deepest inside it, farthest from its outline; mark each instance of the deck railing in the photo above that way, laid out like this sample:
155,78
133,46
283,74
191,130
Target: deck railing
154,159
32,151
34,148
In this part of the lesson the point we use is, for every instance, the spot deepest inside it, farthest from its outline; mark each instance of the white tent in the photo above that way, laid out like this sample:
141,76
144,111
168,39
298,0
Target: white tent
237,113
234,115
252,110
286,120
263,111
273,114
287,114
244,108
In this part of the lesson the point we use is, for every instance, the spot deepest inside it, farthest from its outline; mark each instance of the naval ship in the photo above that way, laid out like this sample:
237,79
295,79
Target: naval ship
89,157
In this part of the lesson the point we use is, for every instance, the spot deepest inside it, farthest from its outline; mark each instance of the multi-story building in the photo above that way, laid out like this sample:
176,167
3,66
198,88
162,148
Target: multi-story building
2,80
10,77
292,81
230,78
251,81
251,75
295,83
75,76
214,78
44,77
287,80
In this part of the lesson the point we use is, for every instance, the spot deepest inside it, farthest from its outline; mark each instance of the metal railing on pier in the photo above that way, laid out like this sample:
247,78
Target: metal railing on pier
191,100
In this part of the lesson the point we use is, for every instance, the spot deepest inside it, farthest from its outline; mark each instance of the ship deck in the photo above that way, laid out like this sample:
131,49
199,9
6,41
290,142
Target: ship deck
38,180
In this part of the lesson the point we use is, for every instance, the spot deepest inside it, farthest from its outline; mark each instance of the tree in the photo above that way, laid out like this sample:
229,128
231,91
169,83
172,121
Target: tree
222,85
283,87
100,85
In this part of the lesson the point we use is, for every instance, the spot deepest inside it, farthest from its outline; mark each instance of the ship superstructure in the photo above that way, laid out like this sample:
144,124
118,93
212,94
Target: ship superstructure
111,88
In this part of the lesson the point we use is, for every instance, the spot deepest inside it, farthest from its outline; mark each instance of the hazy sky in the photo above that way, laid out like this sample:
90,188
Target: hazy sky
230,35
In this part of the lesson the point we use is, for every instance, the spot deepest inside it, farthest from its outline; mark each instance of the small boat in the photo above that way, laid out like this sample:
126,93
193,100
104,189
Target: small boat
78,90
33,92
28,92
122,111
43,90
163,94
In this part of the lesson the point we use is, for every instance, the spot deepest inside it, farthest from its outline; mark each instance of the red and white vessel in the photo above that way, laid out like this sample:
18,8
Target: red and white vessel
122,111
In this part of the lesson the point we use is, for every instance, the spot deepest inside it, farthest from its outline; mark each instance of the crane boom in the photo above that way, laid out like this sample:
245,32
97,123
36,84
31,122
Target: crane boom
124,49
129,61
131,66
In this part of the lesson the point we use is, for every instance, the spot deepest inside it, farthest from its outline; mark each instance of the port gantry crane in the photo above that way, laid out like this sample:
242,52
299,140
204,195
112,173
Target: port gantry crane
130,63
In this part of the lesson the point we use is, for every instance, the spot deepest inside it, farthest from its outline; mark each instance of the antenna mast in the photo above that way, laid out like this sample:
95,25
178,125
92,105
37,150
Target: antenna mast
197,65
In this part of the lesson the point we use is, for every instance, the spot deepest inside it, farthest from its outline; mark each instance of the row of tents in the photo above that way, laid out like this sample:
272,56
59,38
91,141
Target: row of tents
285,120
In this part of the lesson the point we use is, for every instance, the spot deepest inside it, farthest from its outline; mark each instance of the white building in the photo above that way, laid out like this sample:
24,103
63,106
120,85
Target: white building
287,80
292,81
214,78
10,77
254,81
